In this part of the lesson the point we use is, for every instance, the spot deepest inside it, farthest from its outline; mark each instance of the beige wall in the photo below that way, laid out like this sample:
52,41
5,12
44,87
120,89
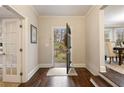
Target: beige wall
0,29
92,41
0,42
45,38
30,53
85,42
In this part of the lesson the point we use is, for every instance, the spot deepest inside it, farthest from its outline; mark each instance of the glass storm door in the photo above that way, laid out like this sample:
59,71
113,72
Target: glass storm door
68,44
11,45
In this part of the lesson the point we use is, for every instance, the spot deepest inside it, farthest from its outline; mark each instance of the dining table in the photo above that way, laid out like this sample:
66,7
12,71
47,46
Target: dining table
120,53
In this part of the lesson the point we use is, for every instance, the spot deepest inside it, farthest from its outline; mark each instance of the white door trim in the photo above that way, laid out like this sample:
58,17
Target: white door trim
101,39
52,40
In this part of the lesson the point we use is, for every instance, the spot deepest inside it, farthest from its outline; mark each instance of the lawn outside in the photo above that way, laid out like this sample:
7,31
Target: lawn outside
60,52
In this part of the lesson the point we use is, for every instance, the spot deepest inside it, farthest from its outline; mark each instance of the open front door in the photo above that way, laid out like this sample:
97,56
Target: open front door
11,50
68,44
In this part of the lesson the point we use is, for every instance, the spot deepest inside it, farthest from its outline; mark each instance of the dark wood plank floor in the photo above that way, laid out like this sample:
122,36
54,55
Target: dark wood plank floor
115,77
41,80
100,81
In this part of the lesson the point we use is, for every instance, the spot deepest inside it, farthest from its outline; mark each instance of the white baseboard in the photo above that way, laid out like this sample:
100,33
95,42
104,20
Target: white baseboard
32,72
45,65
109,81
102,69
73,65
1,65
92,69
93,82
78,65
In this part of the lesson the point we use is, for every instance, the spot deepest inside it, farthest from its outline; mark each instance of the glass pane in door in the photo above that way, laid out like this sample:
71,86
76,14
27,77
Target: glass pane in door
10,48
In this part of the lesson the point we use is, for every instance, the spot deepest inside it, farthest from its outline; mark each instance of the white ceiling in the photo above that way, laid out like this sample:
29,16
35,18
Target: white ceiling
62,10
114,15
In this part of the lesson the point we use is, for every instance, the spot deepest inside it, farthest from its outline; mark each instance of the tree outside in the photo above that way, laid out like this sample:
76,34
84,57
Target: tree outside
59,46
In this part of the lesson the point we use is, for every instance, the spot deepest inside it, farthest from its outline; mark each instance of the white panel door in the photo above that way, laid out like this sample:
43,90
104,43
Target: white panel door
11,37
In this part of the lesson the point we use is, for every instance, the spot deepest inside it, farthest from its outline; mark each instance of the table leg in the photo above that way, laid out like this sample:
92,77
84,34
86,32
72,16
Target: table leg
105,57
120,57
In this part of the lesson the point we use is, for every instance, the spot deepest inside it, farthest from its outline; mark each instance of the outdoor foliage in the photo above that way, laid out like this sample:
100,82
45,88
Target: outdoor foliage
59,46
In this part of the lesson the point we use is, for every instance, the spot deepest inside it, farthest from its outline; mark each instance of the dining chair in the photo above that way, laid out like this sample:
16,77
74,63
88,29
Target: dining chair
122,45
110,53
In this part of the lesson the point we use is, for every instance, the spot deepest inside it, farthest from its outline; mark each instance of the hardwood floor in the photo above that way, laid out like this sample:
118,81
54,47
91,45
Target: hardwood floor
41,80
115,77
100,82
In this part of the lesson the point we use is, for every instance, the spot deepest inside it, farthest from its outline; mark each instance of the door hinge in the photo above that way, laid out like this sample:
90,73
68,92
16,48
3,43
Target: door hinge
21,73
21,49
20,26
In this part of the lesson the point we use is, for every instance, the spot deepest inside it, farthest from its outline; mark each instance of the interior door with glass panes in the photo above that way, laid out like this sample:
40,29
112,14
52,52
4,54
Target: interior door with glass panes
11,37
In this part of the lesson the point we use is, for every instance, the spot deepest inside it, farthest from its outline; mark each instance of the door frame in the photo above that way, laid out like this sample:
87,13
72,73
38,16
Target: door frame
101,38
52,43
23,19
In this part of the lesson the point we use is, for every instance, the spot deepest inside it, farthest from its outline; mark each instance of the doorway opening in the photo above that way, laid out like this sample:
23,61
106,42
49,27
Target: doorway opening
62,53
59,47
114,38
